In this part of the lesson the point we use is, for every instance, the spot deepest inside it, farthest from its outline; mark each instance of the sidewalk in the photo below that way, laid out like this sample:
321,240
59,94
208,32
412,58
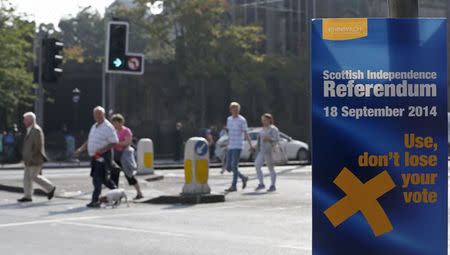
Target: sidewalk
77,184
160,164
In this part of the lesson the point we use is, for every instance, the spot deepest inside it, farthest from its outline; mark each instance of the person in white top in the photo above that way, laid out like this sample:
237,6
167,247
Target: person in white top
102,138
237,131
267,139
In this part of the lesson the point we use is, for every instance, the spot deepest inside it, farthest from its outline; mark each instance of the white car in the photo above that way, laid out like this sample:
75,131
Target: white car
296,150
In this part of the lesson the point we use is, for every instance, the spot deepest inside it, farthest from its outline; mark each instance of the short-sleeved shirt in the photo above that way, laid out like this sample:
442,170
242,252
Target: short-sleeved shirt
123,135
100,136
236,127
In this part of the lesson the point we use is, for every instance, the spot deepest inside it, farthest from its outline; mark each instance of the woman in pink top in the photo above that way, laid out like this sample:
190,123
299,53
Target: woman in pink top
124,154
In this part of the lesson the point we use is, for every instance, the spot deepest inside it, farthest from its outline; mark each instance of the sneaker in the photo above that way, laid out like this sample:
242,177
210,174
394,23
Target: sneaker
24,200
231,189
51,194
93,205
244,182
139,196
272,189
260,187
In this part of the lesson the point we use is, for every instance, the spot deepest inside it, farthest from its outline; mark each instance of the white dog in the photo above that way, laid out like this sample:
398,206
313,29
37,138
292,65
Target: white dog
114,197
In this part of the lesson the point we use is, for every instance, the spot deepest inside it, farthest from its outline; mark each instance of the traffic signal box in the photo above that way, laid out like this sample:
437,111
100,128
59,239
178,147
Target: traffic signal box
118,59
52,59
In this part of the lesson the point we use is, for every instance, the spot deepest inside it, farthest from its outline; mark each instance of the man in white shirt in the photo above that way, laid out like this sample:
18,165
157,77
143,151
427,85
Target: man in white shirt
237,131
102,138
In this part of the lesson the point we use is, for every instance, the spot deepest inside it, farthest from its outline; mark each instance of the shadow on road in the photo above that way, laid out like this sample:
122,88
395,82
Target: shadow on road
255,193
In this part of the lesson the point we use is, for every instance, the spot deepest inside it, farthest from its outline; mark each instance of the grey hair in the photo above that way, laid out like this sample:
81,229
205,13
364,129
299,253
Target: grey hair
235,104
30,115
99,108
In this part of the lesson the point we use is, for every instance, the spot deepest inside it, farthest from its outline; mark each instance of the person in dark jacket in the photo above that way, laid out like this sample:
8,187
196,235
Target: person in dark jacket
178,142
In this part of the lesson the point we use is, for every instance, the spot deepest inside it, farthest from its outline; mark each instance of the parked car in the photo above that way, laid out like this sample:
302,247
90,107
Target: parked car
296,150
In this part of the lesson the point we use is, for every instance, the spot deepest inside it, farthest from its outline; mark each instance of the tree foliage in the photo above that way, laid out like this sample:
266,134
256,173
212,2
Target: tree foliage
83,36
199,37
16,54
216,59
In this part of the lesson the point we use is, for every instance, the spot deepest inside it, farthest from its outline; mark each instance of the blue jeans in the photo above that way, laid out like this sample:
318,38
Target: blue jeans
233,157
100,177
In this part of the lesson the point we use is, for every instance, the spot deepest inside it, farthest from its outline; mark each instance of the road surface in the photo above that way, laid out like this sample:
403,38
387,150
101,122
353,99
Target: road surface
247,223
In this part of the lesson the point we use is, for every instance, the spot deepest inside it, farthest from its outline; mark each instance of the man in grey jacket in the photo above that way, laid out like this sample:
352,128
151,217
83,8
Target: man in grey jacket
34,157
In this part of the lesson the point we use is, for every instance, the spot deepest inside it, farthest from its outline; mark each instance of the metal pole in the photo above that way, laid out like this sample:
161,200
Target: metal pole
37,52
104,74
39,104
314,9
113,95
103,85
403,8
111,88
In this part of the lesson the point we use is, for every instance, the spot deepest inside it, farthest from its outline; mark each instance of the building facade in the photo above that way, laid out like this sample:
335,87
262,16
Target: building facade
285,22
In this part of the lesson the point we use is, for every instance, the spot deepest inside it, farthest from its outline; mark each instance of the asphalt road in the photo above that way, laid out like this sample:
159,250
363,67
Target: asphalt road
247,223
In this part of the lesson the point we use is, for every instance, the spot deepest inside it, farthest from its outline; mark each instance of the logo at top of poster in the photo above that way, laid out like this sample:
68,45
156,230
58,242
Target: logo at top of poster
344,29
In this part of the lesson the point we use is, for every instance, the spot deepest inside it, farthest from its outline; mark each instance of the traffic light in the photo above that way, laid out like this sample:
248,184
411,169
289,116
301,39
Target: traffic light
52,59
118,59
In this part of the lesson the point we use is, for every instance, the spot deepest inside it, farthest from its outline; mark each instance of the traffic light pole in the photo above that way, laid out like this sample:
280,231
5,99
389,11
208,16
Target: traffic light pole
103,86
104,74
403,8
39,101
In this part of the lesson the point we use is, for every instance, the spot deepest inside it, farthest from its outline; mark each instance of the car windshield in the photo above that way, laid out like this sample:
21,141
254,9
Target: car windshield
284,136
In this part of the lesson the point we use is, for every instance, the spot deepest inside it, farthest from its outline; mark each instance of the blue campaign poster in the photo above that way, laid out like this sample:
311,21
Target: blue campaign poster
379,139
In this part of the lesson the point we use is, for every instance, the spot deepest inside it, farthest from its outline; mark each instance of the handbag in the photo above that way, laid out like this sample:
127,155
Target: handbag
279,155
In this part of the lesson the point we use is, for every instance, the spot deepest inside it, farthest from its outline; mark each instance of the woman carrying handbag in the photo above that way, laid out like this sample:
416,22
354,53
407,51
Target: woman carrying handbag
124,155
267,140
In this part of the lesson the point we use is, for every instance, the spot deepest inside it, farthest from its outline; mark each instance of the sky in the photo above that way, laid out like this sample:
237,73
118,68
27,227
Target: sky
50,11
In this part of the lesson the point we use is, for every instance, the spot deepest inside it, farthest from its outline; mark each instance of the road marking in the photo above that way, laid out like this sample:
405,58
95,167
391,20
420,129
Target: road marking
123,229
296,247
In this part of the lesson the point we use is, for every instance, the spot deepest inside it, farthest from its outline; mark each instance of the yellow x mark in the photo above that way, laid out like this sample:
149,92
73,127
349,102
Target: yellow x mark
362,197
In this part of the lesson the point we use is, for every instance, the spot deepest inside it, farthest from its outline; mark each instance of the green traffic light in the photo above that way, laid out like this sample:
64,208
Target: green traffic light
117,62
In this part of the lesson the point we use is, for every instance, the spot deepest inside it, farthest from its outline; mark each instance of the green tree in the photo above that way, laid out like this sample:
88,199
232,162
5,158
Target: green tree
84,36
16,54
197,35
218,61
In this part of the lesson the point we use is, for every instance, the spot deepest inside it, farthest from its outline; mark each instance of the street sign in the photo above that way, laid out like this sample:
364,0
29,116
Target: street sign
134,63
379,136
201,148
118,59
